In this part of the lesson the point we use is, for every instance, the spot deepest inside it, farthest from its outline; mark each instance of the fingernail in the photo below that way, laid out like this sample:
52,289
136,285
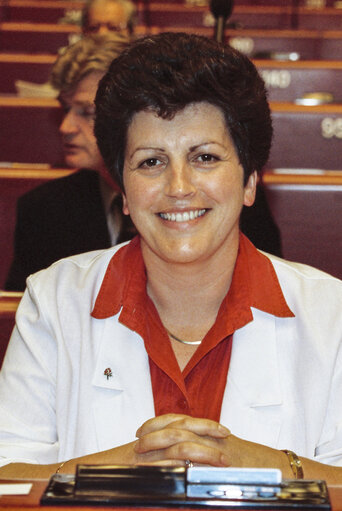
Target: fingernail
225,431
137,434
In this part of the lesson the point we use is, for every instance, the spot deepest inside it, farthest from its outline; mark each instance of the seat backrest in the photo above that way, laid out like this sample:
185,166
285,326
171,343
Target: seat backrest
29,130
308,211
307,137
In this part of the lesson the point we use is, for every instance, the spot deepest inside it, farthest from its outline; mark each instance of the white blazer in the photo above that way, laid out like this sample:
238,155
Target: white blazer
284,386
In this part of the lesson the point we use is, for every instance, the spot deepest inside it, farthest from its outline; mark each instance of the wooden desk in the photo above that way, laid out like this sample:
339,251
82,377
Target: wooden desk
15,503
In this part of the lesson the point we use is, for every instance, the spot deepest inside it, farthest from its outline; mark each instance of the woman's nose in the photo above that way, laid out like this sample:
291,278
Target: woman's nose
180,181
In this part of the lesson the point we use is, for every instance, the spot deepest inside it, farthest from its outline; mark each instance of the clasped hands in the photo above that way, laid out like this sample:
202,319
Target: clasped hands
173,438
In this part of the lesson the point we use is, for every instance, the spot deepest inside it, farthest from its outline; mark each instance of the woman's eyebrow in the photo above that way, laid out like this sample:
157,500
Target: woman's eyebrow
147,148
209,142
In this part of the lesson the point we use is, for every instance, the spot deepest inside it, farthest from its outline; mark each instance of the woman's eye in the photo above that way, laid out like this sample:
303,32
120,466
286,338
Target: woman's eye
207,158
149,163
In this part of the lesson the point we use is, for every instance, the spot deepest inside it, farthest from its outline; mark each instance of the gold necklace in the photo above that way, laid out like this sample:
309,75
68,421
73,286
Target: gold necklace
193,343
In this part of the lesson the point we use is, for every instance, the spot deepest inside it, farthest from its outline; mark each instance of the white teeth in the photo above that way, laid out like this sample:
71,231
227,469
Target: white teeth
183,217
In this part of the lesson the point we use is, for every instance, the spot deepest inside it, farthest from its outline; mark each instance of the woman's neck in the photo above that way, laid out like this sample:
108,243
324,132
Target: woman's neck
191,292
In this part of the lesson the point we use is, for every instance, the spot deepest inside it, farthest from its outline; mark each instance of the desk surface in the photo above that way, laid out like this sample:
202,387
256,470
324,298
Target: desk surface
15,503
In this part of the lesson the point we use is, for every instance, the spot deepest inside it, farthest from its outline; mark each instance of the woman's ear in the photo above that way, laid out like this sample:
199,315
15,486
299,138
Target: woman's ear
125,209
250,189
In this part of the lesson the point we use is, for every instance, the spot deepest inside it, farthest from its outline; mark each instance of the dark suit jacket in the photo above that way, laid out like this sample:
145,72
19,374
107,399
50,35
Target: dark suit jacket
66,217
60,218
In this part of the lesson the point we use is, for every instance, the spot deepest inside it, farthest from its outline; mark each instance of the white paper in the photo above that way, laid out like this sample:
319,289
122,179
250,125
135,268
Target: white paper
15,488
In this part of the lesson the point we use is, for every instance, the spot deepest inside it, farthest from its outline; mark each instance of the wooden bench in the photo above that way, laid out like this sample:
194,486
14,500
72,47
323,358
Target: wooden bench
308,210
14,182
309,44
287,81
8,306
327,18
317,4
306,136
41,11
157,14
247,16
29,130
189,14
24,66
35,37
41,37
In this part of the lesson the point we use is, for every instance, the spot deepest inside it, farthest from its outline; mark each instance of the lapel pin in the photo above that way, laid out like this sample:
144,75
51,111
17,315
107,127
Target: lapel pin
108,372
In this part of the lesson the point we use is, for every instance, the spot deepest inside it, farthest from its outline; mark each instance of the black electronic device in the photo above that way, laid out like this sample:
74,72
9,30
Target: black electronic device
157,486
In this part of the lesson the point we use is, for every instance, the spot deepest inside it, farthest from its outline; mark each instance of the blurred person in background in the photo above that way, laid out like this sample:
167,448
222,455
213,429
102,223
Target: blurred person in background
83,211
102,16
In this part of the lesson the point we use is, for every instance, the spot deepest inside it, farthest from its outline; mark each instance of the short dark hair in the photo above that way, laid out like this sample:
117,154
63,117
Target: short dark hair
167,72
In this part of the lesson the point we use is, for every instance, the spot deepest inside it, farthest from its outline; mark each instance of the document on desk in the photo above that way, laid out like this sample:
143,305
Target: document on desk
15,488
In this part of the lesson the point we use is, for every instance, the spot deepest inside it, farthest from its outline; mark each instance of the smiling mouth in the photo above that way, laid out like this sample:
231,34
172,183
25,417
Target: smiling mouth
186,216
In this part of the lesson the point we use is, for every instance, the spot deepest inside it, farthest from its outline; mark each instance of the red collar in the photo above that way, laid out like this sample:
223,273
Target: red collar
124,284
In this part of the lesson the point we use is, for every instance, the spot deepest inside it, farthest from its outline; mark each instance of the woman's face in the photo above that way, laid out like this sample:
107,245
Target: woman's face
184,184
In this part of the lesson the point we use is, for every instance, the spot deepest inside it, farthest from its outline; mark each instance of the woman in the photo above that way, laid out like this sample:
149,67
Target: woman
187,337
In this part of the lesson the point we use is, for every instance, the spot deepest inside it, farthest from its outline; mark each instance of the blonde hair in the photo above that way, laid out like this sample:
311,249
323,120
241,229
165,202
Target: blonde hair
89,54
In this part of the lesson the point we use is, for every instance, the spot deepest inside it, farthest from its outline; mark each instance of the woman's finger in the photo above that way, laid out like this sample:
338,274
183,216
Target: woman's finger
157,423
199,426
165,438
202,427
197,453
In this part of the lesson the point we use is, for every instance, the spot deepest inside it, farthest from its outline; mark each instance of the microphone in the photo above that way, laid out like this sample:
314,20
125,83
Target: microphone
221,9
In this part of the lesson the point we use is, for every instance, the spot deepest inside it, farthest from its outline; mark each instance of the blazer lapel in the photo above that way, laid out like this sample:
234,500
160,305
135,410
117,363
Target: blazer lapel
252,401
123,397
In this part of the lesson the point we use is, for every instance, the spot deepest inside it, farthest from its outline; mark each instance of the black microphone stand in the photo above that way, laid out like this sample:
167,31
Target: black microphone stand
221,9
